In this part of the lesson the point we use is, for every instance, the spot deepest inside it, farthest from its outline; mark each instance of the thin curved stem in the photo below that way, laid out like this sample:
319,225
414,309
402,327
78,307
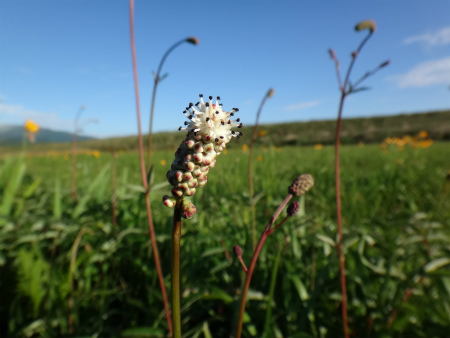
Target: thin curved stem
152,109
176,239
74,152
349,70
253,262
144,176
250,165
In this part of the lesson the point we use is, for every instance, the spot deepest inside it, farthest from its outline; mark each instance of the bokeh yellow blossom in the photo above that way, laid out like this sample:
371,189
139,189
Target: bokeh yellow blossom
262,133
259,158
31,128
163,162
318,146
244,148
96,153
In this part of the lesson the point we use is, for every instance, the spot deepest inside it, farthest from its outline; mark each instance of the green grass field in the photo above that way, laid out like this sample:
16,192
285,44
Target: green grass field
396,219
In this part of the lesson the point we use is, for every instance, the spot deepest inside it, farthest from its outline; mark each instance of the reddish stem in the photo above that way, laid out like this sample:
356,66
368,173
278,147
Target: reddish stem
114,188
253,262
144,176
339,215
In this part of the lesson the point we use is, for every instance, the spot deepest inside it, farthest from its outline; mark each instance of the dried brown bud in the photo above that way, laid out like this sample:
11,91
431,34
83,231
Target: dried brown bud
385,63
366,24
193,40
354,54
332,53
237,251
270,92
301,185
293,208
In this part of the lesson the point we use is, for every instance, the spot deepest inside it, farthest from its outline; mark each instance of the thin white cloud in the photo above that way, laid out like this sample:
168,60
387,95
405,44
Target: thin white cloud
24,70
17,114
425,74
301,105
440,37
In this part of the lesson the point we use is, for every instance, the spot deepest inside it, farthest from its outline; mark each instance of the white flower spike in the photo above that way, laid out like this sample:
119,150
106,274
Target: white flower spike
208,132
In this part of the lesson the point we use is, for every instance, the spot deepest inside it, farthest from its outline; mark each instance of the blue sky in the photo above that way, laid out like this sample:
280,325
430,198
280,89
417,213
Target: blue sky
58,55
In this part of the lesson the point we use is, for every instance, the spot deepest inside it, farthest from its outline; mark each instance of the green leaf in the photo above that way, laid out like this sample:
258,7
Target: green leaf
206,331
57,210
436,264
13,183
326,239
142,332
213,251
220,266
32,187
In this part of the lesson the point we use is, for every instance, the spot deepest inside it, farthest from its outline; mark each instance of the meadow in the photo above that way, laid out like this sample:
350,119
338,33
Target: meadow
69,269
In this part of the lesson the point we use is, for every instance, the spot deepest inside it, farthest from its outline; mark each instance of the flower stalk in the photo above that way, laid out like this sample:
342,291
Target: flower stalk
156,81
346,89
208,131
176,241
299,187
269,94
74,151
144,176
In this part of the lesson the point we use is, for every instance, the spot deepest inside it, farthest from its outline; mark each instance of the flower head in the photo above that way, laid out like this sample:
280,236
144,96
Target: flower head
208,131
301,185
31,128
366,24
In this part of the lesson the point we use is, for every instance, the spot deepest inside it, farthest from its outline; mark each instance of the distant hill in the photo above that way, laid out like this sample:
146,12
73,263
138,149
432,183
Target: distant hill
10,135
368,130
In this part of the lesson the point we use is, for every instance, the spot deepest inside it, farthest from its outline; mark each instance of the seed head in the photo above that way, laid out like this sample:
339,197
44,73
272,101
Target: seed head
293,208
301,185
366,24
193,40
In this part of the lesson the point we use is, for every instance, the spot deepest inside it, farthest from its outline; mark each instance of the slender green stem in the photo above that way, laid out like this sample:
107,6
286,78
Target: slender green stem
252,265
273,281
176,239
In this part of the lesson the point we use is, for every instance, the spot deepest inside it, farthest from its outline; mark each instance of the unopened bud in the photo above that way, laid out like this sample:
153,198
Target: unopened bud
169,201
293,208
270,92
366,24
188,208
237,251
193,40
354,54
301,185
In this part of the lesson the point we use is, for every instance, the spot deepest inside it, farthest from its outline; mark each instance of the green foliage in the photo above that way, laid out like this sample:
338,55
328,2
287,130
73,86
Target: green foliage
396,213
33,275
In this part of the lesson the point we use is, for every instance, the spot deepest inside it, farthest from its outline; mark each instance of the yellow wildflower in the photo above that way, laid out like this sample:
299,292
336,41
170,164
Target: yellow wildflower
423,134
244,148
259,158
262,133
96,153
31,127
163,162
318,146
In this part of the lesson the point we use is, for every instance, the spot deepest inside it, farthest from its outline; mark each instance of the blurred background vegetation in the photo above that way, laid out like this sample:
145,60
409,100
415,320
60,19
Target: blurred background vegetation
67,270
